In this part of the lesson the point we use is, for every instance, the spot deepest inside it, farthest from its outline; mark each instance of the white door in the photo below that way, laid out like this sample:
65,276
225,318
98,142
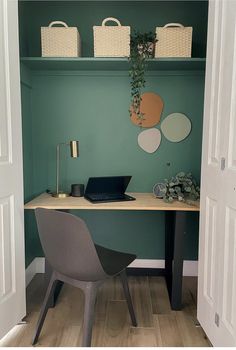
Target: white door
217,246
12,269
227,295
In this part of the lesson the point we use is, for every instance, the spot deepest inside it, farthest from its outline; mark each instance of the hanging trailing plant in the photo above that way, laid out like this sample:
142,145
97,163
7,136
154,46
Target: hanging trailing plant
141,48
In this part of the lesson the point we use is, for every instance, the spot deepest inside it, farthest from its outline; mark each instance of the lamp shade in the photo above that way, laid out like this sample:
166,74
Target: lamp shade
74,149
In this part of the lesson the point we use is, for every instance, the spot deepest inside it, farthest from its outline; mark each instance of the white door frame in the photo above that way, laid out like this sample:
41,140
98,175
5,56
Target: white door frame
217,239
12,258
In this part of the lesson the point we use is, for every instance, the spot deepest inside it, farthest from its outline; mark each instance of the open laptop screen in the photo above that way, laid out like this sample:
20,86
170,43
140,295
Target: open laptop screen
107,184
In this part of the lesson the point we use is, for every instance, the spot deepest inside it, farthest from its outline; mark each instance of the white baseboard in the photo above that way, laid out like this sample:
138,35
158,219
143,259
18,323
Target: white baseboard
190,267
36,266
148,263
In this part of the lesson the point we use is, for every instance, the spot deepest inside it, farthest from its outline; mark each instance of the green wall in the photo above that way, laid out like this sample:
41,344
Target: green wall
93,108
140,15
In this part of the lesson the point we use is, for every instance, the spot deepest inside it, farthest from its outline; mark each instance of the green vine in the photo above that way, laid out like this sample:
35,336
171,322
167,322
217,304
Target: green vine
141,48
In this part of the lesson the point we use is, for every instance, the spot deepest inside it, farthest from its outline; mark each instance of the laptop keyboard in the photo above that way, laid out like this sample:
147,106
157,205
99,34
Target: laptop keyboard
103,197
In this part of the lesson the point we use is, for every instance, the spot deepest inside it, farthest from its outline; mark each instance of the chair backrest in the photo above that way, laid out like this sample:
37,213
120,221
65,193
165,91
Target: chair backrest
68,246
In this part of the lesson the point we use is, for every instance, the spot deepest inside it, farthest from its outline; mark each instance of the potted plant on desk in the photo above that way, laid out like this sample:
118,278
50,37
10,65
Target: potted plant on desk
182,187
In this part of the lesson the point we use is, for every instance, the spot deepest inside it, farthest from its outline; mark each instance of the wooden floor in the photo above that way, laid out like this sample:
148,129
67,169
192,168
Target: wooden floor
158,325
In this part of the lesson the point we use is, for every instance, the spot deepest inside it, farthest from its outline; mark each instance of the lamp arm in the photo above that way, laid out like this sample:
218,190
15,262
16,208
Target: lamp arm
74,145
58,168
58,165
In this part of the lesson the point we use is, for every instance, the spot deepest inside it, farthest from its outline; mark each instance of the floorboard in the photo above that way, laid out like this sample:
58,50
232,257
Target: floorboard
158,325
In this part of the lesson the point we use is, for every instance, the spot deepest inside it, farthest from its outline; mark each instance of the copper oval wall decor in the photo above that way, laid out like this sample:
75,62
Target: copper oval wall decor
151,106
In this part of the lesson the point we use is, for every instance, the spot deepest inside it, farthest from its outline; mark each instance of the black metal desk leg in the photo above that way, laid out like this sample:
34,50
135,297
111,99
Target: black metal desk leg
169,247
174,256
177,277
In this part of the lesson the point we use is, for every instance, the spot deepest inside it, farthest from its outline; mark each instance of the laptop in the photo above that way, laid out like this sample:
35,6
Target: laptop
107,189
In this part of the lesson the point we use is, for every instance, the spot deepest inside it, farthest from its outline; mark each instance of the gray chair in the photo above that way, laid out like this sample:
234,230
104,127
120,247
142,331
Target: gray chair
76,260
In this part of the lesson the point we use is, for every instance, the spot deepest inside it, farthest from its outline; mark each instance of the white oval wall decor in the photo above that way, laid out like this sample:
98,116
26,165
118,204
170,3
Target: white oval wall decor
149,140
176,127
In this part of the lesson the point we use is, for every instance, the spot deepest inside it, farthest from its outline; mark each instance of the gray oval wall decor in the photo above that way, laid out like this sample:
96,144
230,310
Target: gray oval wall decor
176,127
149,140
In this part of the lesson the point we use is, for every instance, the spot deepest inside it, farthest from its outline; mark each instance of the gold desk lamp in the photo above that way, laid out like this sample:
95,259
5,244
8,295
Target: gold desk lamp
74,153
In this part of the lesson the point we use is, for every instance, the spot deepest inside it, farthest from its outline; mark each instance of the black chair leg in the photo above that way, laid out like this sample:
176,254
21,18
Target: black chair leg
124,281
44,308
90,292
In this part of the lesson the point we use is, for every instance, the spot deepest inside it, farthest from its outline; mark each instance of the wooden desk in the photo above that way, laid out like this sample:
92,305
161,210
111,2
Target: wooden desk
175,223
144,201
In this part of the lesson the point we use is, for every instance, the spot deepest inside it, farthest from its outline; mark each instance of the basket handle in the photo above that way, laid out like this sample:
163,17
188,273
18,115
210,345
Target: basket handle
58,22
173,25
111,19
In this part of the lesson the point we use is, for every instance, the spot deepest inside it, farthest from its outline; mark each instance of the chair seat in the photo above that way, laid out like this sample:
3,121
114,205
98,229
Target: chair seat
113,261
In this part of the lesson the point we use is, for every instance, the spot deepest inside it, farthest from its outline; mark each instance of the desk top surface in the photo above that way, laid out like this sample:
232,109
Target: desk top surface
144,201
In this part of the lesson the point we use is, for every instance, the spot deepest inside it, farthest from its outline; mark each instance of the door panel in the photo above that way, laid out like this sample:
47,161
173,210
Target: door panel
229,286
232,122
208,265
5,154
214,82
8,281
210,249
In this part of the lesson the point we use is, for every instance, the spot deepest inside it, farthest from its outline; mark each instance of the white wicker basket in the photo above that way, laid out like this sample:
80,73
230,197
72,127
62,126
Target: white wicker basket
111,41
60,41
173,40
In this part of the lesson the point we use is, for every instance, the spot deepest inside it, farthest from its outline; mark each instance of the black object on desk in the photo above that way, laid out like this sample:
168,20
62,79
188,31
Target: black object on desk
77,190
108,189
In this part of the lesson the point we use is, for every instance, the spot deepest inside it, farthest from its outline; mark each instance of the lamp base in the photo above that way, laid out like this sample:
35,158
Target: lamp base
60,195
